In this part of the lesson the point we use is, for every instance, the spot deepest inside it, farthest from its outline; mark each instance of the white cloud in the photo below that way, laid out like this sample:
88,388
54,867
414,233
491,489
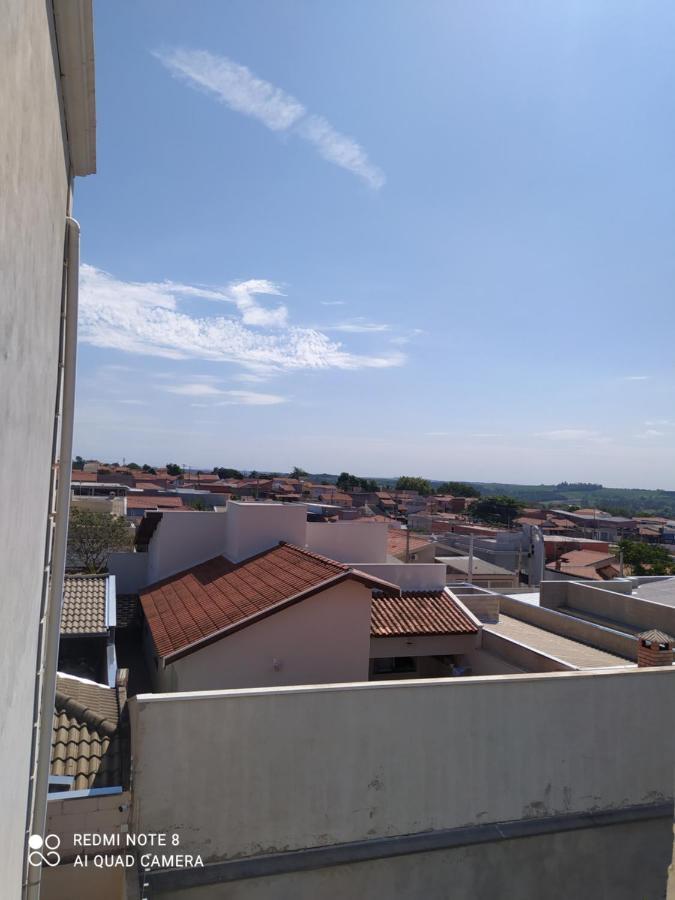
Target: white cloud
571,434
357,326
332,302
340,149
197,389
146,318
251,398
649,433
205,389
242,91
636,378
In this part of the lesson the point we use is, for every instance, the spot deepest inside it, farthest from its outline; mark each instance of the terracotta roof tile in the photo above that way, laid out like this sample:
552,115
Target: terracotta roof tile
84,605
419,613
150,502
207,599
87,740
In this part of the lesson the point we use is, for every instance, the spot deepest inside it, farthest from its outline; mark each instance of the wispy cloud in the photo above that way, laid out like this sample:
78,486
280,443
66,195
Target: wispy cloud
153,319
357,326
635,377
224,397
649,433
242,91
573,434
332,302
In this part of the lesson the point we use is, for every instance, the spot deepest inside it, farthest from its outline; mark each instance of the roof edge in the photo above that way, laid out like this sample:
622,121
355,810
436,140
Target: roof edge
74,25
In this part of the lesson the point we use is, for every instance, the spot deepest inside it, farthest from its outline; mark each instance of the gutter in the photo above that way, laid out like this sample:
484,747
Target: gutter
52,622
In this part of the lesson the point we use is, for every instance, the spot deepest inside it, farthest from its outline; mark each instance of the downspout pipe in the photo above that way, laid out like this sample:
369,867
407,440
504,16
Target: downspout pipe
55,602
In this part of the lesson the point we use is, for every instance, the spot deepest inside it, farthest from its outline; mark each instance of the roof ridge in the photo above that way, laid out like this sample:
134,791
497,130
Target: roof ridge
313,555
84,713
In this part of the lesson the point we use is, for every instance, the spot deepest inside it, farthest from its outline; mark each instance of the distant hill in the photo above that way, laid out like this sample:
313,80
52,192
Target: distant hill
620,501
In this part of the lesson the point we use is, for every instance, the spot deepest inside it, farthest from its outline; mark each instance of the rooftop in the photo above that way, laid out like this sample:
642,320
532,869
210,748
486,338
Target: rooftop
205,602
573,652
87,740
84,605
479,566
419,613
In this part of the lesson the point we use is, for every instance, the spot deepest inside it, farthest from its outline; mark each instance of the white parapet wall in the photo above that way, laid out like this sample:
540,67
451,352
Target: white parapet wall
240,773
409,577
349,542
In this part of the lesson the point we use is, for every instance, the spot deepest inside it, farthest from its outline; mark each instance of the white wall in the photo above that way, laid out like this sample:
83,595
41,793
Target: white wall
184,539
349,542
130,571
33,207
253,527
409,577
245,772
323,639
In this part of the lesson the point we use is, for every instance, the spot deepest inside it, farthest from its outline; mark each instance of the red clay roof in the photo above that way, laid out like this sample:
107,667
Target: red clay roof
200,604
397,539
150,502
419,613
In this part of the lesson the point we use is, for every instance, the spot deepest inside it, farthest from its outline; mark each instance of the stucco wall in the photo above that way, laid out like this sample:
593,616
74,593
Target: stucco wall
323,639
418,577
33,206
253,527
634,611
280,769
349,542
624,862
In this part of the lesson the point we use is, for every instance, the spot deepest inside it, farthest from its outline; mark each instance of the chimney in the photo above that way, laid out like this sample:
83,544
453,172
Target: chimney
654,649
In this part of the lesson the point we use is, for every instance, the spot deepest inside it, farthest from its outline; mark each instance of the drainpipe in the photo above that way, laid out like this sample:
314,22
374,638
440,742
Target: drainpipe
53,617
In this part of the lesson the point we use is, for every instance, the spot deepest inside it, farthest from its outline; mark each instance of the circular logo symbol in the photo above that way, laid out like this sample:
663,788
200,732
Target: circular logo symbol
50,843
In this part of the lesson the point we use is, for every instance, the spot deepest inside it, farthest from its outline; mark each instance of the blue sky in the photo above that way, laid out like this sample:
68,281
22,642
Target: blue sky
389,237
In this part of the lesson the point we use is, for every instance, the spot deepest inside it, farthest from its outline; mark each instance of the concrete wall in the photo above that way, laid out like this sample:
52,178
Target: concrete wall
624,862
634,611
102,814
184,539
559,623
349,542
238,773
34,192
323,639
418,577
130,571
253,527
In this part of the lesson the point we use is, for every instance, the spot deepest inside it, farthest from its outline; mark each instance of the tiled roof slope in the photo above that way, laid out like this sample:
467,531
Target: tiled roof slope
87,740
212,597
419,613
84,605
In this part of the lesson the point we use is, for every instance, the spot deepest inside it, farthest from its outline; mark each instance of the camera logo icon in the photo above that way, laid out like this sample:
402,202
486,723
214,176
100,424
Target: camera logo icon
49,844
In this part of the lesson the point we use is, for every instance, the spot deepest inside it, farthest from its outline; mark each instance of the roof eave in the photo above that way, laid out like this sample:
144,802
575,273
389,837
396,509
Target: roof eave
74,24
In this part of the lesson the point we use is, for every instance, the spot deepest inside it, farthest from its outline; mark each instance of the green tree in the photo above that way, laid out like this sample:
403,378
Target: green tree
457,489
133,466
78,463
93,536
414,483
222,472
298,473
173,469
199,505
646,559
496,510
149,470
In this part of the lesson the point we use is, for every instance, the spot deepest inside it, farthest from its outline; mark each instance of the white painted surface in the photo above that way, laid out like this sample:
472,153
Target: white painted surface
246,772
253,527
409,577
349,542
33,207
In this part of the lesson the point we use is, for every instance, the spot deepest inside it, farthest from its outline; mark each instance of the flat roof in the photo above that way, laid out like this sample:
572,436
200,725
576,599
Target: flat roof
569,651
